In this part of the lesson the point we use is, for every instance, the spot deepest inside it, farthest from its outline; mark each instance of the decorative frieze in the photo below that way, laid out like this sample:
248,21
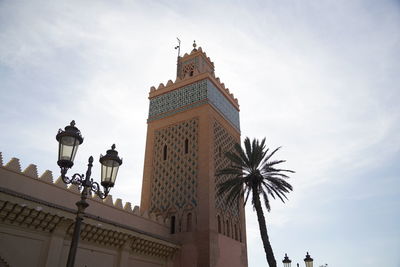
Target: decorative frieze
190,96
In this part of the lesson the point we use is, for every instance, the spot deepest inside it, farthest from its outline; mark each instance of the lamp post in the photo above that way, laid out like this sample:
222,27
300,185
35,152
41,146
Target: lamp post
286,261
69,140
308,261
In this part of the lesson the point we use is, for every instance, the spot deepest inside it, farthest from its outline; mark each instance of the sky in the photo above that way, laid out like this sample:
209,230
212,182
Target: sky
319,78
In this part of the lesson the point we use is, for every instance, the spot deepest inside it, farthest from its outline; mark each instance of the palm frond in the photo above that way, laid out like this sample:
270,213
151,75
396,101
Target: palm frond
252,171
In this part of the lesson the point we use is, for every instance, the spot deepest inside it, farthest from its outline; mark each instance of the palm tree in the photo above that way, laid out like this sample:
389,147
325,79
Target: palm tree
252,170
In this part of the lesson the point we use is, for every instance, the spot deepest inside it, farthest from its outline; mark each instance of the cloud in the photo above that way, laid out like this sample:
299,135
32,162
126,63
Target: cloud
320,79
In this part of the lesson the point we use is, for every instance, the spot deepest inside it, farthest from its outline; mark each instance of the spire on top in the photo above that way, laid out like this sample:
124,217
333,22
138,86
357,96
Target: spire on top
194,46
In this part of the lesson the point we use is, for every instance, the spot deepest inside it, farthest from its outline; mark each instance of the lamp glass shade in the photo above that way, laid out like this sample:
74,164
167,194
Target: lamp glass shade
110,163
308,261
286,261
68,145
109,171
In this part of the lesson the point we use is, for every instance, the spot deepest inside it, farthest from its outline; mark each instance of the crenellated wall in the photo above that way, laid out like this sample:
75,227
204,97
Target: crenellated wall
37,215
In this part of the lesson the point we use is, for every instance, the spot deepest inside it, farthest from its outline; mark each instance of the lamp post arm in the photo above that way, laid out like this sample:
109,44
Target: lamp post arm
95,188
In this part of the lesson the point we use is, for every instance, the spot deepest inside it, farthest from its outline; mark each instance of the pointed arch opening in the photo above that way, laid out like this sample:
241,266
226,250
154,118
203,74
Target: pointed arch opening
172,230
236,232
219,224
165,151
186,146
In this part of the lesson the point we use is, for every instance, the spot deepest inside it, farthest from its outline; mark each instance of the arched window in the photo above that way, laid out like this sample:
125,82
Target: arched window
165,152
172,224
189,222
219,224
227,228
186,146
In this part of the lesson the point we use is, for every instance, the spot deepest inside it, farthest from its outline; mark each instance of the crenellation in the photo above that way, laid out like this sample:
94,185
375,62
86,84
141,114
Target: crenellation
160,86
96,198
14,165
31,171
74,188
145,214
136,210
108,200
47,177
118,203
128,206
170,82
152,89
60,183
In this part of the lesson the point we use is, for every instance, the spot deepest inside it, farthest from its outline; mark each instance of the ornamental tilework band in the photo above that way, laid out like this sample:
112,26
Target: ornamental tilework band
174,178
185,96
223,142
191,96
218,100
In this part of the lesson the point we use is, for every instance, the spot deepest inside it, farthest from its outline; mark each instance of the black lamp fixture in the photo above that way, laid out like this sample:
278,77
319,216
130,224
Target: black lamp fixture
69,140
308,261
286,261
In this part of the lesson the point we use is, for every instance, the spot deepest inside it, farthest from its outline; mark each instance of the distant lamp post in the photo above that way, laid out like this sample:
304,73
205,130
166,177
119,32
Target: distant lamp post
308,261
69,140
286,261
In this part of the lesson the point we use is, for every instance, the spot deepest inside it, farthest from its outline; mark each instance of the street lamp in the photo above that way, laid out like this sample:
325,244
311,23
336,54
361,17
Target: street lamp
308,261
69,140
286,261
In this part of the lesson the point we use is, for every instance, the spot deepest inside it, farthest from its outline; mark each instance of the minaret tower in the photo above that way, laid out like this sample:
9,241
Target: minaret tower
191,123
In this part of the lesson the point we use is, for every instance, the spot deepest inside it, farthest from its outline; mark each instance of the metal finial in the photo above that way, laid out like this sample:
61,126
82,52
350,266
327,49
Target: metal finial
72,123
194,44
113,146
178,46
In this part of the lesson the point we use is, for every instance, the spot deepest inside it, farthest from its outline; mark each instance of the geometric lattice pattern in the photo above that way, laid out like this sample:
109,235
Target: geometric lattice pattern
190,96
219,101
187,66
167,104
223,142
174,177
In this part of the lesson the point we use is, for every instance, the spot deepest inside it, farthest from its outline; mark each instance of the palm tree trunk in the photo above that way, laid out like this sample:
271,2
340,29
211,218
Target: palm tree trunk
263,229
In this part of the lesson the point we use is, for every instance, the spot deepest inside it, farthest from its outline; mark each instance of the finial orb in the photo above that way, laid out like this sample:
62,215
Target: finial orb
194,44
